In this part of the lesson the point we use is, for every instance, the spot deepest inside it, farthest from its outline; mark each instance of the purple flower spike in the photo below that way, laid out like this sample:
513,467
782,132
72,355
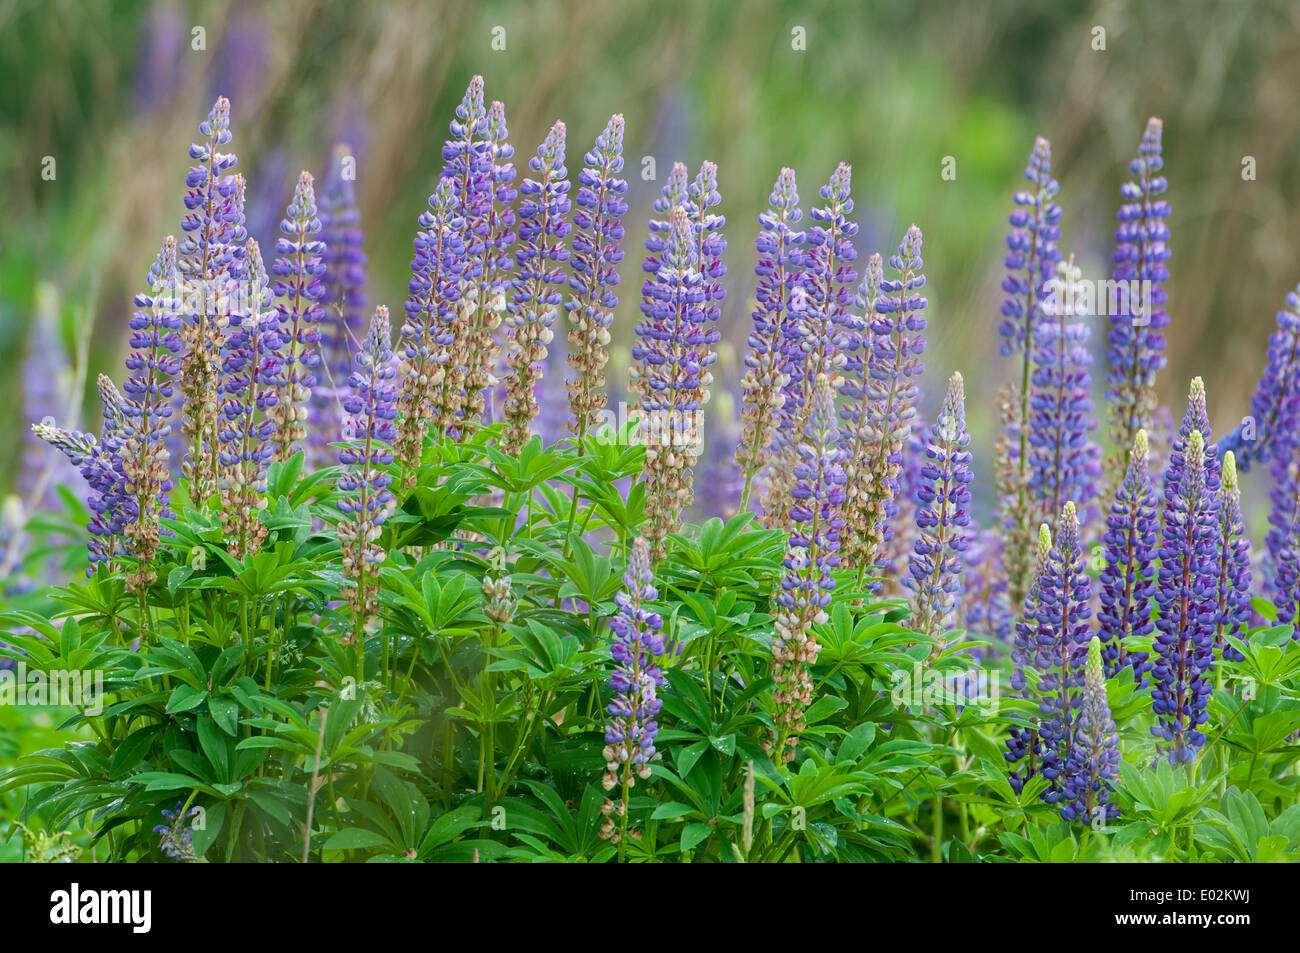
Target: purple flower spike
1136,349
1188,609
942,517
812,553
427,333
674,193
1128,579
765,383
344,300
153,364
897,324
1062,458
1232,565
366,499
1053,641
671,377
1288,582
209,259
253,374
543,226
1275,408
1023,743
826,329
298,271
1197,419
1031,261
100,462
1093,765
1032,256
597,232
631,729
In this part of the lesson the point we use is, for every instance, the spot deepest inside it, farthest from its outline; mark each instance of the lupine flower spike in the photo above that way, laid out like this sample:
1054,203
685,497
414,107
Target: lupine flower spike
1023,743
298,291
1275,408
1031,261
1232,552
598,229
153,364
1288,582
253,372
543,226
100,463
371,407
764,383
209,261
491,225
1136,350
1063,637
671,363
427,334
811,555
1092,768
342,325
822,331
897,327
1188,608
631,729
1062,457
467,168
942,518
1128,579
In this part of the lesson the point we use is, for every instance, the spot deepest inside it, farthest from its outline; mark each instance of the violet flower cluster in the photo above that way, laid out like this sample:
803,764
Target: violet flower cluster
298,290
897,326
1052,641
1274,418
371,407
1232,565
594,257
253,379
344,300
812,552
1031,260
1063,460
1136,346
427,333
670,375
1092,767
942,517
210,262
764,383
631,728
543,227
1128,579
152,364
1186,597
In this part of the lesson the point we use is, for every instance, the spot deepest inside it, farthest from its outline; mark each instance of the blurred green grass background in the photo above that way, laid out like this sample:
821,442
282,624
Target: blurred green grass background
113,91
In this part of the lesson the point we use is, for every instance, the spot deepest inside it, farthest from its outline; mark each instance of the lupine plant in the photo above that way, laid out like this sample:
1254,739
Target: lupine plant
354,601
